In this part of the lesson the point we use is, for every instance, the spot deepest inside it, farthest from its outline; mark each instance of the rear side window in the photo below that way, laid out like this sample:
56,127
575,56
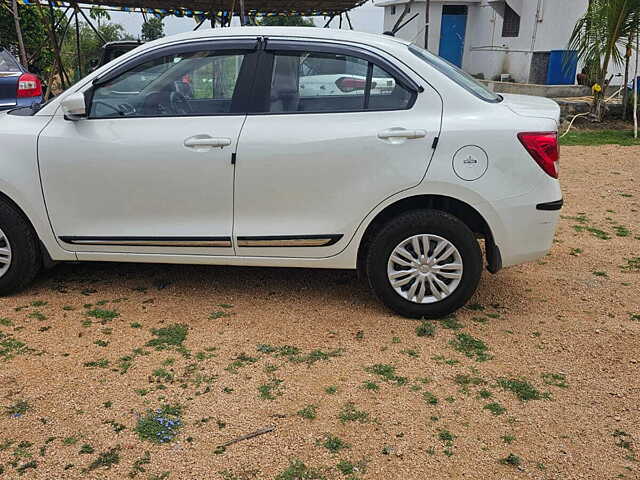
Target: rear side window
328,82
7,63
462,78
194,83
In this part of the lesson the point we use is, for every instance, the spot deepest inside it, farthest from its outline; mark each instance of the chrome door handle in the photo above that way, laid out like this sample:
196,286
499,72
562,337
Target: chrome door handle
401,133
202,141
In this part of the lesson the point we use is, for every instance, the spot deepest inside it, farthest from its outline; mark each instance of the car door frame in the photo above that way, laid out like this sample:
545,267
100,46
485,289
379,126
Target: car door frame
324,244
178,245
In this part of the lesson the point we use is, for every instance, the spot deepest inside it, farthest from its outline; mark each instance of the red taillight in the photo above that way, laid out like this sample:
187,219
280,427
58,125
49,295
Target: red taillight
351,84
29,86
544,149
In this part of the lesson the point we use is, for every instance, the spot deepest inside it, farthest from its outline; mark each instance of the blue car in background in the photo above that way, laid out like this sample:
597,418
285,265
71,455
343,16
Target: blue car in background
18,88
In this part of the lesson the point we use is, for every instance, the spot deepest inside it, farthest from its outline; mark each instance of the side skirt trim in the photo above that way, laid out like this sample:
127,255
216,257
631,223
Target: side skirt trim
151,241
290,241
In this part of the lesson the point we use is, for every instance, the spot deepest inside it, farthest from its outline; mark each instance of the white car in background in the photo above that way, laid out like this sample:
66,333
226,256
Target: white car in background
221,147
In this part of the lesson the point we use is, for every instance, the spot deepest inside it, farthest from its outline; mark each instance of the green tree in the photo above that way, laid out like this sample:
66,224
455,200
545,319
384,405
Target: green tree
152,29
601,37
37,46
286,21
90,44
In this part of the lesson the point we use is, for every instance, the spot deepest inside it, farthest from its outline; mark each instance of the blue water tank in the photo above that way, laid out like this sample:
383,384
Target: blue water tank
563,65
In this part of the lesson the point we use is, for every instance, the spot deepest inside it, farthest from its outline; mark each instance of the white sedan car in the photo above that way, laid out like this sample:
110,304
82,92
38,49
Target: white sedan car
203,148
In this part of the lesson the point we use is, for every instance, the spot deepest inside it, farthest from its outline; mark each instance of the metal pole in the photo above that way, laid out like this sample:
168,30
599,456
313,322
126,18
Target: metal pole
16,19
242,19
91,25
79,69
427,25
635,89
349,20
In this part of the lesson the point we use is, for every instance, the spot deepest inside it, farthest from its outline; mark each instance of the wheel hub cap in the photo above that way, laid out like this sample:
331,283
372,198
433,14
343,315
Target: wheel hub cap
5,254
425,268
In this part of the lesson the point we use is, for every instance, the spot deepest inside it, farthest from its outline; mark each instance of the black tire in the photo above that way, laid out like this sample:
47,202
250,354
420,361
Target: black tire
419,222
25,251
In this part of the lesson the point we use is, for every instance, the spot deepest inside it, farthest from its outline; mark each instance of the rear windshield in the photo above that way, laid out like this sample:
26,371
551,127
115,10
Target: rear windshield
7,63
462,78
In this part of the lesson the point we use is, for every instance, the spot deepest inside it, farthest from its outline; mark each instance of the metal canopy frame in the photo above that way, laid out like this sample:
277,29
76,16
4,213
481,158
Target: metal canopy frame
219,12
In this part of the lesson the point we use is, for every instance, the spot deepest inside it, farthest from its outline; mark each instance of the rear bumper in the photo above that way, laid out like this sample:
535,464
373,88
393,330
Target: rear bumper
524,227
20,102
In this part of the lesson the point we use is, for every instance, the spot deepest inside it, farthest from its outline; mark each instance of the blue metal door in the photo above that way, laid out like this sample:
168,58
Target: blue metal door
563,65
452,37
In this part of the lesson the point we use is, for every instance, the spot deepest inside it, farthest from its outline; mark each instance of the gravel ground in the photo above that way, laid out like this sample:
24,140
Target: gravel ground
536,378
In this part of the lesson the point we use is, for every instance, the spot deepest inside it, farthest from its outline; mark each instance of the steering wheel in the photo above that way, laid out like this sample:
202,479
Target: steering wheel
179,104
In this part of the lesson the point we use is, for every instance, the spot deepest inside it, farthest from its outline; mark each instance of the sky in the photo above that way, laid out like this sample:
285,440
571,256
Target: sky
366,18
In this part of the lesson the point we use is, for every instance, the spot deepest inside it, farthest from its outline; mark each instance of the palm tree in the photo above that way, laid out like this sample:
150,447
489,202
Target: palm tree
601,36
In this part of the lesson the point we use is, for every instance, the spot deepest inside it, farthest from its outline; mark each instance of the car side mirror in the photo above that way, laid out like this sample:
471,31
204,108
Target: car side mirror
74,106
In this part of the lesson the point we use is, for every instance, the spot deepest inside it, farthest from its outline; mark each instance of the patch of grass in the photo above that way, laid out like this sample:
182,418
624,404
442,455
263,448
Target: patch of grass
161,425
426,329
101,343
520,388
466,381
6,322
495,408
575,252
218,315
105,459
18,409
512,460
168,337
622,231
508,439
599,137
471,347
555,379
10,347
350,413
632,264
441,359
485,394
37,316
596,232
373,386
387,372
297,470
117,427
103,315
446,437
268,391
138,465
86,448
410,352
623,440
102,363
135,325
430,398
451,323
241,360
309,412
315,356
331,390
600,274
334,444
346,467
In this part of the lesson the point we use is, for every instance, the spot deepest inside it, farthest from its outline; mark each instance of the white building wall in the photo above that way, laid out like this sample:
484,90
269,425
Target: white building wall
544,25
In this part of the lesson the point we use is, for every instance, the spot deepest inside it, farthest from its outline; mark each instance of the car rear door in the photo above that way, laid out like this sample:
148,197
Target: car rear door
324,146
150,170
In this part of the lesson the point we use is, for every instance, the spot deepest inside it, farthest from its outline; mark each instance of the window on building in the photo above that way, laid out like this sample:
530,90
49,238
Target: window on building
511,23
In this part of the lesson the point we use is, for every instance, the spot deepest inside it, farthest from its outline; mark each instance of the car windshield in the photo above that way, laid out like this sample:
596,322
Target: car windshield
462,78
7,63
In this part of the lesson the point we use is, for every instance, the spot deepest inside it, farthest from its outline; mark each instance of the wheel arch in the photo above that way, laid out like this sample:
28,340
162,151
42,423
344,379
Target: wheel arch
458,208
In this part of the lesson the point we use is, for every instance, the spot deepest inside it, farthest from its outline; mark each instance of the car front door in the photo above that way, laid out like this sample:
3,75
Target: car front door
150,169
336,130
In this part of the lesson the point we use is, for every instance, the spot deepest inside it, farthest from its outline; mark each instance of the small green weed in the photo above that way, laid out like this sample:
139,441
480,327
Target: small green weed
334,444
495,408
555,379
512,460
161,425
297,470
471,347
387,372
350,413
520,388
309,412
426,329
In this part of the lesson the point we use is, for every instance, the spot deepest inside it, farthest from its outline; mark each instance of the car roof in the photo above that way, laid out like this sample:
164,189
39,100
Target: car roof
294,32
